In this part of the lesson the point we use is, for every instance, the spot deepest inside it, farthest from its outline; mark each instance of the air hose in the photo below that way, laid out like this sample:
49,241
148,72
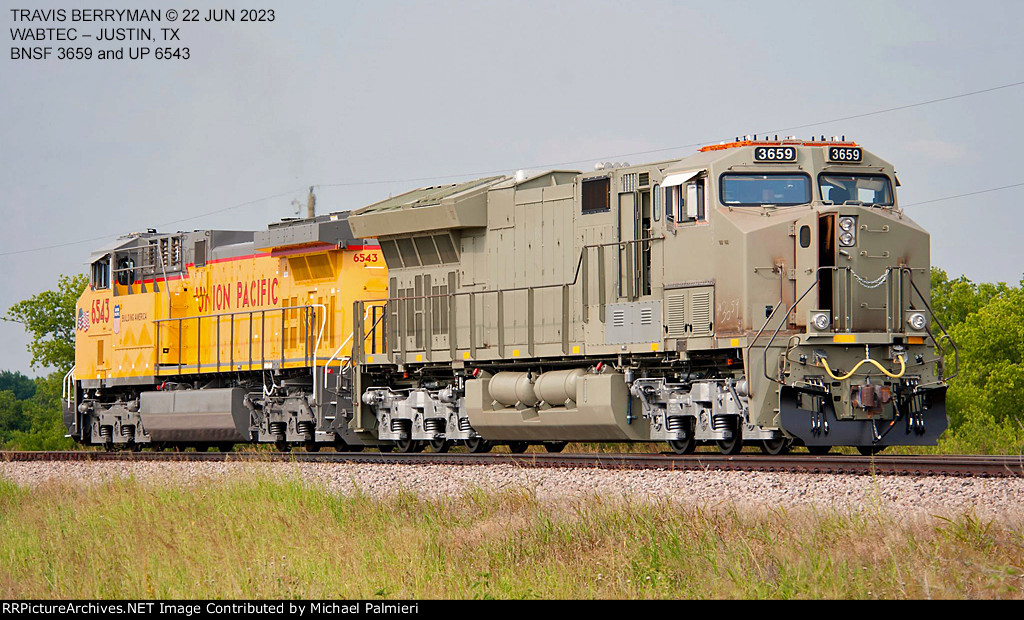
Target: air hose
903,369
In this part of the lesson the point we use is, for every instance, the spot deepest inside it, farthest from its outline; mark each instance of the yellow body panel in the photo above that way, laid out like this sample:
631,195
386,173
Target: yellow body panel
267,310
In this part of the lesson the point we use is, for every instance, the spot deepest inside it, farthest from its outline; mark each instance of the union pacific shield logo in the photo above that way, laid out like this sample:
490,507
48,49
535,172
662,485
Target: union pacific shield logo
117,319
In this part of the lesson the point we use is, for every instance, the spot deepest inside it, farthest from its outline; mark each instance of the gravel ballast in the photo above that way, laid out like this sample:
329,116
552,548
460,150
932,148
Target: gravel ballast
926,495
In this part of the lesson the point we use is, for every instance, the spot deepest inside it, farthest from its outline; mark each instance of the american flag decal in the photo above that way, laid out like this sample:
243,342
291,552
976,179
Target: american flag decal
83,320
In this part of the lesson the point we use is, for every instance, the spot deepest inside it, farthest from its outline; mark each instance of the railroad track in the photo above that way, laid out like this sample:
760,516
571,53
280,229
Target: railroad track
915,465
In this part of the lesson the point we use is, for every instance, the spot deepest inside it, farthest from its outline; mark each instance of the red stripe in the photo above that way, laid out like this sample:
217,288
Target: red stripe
305,250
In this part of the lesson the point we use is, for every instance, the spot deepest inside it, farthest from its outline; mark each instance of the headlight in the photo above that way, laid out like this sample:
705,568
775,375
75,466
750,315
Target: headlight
917,321
847,223
846,239
821,321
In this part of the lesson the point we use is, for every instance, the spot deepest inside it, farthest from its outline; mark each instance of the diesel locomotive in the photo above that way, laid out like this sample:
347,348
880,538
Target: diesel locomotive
759,292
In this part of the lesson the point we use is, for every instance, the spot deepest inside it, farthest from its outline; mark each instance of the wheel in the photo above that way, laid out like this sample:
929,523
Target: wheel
408,446
517,447
440,445
734,444
282,446
779,445
340,445
730,446
683,446
870,450
819,450
554,447
311,446
478,445
688,443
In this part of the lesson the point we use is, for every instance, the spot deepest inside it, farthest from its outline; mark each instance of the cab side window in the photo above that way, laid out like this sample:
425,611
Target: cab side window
686,202
101,273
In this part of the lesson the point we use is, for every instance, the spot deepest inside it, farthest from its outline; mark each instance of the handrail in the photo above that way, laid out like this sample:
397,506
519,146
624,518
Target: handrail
222,314
500,292
67,385
342,346
817,278
262,312
956,349
575,279
320,335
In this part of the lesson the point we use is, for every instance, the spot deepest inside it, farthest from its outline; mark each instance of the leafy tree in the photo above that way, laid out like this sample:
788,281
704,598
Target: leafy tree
36,422
985,401
22,386
954,300
42,416
12,416
50,318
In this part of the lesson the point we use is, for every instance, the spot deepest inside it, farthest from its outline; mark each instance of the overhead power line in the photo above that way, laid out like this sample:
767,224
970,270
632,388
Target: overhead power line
569,163
980,191
684,146
71,243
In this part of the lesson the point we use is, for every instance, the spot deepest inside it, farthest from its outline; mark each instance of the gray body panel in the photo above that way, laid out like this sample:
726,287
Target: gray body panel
216,415
563,270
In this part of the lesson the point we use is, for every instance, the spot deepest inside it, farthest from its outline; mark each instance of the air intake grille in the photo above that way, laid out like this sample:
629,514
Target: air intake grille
675,306
701,313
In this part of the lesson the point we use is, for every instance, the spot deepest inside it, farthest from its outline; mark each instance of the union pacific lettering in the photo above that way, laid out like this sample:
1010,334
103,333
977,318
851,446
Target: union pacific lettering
238,295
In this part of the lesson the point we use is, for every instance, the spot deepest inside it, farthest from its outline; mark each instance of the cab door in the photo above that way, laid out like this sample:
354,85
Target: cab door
806,240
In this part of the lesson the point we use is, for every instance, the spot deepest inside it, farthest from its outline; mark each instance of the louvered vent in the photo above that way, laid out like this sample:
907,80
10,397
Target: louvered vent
299,268
646,316
676,313
645,179
701,313
619,318
629,182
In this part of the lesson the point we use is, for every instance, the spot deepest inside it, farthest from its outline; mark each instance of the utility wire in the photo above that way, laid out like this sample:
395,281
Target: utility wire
684,146
568,163
186,219
980,191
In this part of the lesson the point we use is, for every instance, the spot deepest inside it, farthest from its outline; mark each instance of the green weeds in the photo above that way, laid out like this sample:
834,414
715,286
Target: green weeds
271,538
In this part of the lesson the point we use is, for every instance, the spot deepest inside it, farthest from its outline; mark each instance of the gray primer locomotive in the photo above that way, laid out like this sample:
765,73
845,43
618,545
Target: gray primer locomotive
766,293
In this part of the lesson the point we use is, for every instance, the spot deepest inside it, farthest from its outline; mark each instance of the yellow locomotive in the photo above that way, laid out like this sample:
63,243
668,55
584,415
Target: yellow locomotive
216,337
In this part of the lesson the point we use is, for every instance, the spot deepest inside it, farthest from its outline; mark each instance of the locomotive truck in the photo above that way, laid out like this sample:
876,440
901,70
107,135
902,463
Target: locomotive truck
759,292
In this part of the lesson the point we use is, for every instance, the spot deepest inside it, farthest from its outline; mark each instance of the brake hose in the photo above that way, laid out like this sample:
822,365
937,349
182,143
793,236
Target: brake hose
903,369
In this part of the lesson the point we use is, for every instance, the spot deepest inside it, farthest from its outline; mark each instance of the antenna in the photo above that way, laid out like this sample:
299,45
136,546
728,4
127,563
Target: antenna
311,204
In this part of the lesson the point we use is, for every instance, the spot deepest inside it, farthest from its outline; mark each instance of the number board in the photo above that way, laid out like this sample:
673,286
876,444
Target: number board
845,154
775,154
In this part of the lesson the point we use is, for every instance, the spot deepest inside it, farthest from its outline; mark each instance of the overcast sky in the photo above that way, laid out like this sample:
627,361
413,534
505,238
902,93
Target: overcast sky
363,98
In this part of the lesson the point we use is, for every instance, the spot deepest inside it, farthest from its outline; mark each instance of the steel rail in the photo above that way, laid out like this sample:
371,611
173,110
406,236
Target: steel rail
898,465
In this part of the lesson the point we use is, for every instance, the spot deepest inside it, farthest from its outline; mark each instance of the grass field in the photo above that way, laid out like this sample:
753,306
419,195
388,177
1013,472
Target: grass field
264,538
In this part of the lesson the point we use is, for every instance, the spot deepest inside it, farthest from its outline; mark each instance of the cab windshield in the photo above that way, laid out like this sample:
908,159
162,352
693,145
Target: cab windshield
775,189
856,189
